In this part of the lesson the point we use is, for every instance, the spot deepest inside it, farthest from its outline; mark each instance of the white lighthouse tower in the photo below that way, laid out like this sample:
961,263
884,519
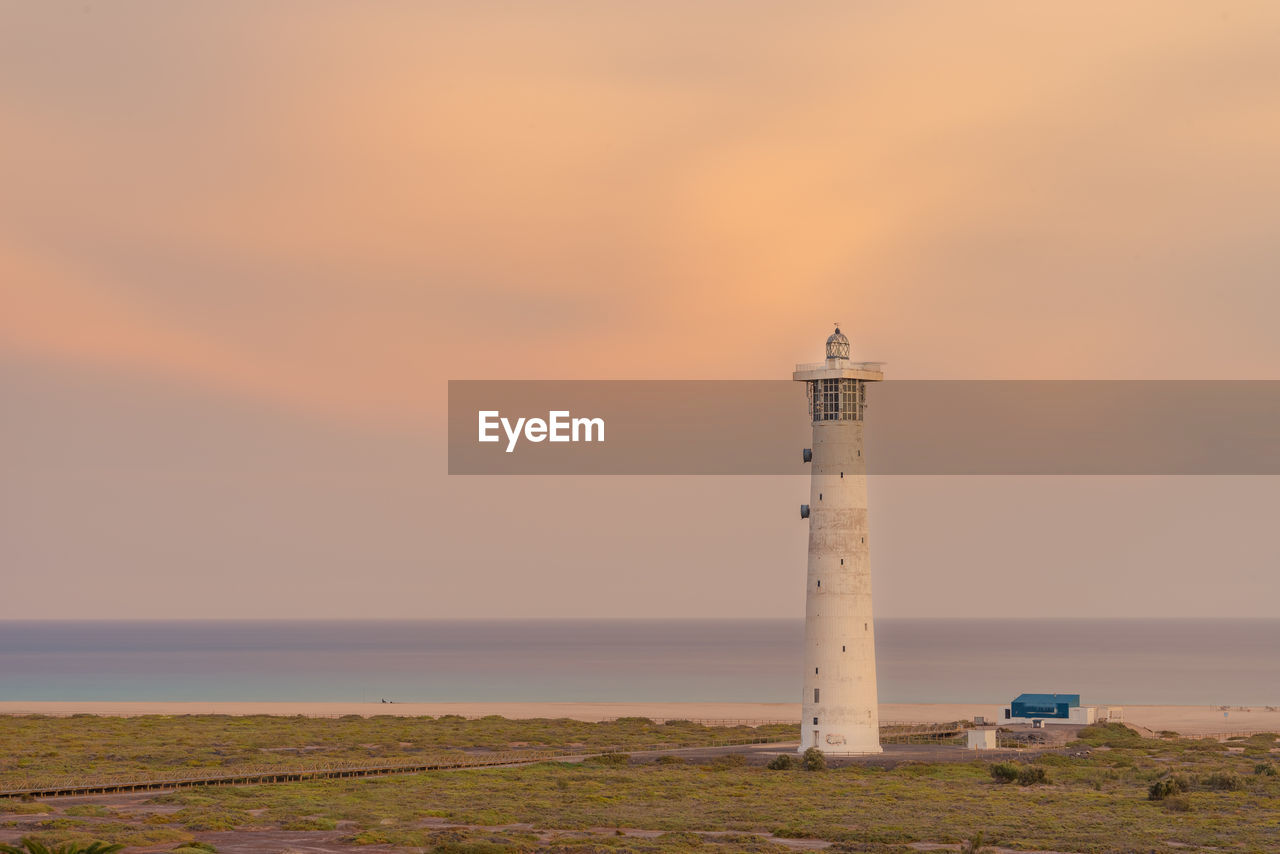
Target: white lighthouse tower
839,704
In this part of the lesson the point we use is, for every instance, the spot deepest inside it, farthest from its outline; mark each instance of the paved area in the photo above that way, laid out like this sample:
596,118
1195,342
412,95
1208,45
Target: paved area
893,755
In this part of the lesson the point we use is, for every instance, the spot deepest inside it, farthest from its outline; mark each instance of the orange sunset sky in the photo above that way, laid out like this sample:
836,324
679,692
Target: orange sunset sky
243,247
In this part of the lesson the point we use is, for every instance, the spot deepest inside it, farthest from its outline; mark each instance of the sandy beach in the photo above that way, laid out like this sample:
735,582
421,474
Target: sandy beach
1190,720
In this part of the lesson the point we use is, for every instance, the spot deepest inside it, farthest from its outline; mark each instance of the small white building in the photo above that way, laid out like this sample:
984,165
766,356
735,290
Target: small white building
981,738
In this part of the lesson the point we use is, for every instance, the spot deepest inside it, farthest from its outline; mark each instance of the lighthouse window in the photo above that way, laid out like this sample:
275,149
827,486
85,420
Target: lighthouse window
842,475
815,721
819,496
815,695
842,649
819,582
842,561
866,627
815,671
839,399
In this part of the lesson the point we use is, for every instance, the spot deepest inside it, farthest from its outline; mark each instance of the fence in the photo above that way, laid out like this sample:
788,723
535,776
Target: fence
907,732
1224,736
718,722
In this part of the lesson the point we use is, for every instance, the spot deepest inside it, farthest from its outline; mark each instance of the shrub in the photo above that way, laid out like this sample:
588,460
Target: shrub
1177,804
1224,781
25,808
813,760
1110,735
313,822
610,759
31,845
1032,776
1162,789
796,831
670,759
1004,772
1264,769
473,848
781,762
729,760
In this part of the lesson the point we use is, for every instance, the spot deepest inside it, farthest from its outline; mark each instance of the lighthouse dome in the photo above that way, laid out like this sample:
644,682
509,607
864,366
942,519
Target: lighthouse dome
837,345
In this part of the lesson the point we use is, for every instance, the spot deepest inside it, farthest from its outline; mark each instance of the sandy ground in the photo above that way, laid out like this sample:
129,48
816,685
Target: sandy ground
1184,719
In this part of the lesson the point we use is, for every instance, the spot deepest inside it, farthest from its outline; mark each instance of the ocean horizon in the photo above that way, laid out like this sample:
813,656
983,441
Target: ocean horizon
1105,660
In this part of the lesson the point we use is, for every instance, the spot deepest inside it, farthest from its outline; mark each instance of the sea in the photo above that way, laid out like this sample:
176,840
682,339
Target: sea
1106,661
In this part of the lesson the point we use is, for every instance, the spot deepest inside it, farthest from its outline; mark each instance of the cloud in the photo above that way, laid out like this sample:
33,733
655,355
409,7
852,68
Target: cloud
338,208
330,209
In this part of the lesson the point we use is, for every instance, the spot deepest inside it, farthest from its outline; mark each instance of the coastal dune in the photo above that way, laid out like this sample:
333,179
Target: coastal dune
1189,720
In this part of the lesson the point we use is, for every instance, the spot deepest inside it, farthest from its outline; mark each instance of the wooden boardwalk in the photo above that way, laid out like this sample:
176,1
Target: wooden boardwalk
250,776
890,732
187,779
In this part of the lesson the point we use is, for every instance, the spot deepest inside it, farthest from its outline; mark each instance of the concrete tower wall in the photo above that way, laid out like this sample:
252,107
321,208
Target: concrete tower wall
840,658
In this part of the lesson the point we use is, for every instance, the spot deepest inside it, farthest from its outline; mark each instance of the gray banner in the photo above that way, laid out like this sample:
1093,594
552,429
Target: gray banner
918,427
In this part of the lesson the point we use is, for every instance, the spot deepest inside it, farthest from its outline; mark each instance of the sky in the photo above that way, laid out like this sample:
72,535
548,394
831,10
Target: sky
243,248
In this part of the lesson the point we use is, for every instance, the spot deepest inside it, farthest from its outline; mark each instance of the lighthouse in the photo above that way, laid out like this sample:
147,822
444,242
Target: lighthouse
840,714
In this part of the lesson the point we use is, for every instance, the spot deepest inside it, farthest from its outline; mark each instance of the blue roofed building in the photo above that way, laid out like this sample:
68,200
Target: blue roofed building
1050,708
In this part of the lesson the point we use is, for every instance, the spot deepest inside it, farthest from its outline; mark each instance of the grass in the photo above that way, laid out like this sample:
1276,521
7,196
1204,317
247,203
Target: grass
38,747
1092,803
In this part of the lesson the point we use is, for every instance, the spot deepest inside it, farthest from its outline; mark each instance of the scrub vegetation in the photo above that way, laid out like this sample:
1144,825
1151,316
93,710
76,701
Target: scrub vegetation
38,747
1094,796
